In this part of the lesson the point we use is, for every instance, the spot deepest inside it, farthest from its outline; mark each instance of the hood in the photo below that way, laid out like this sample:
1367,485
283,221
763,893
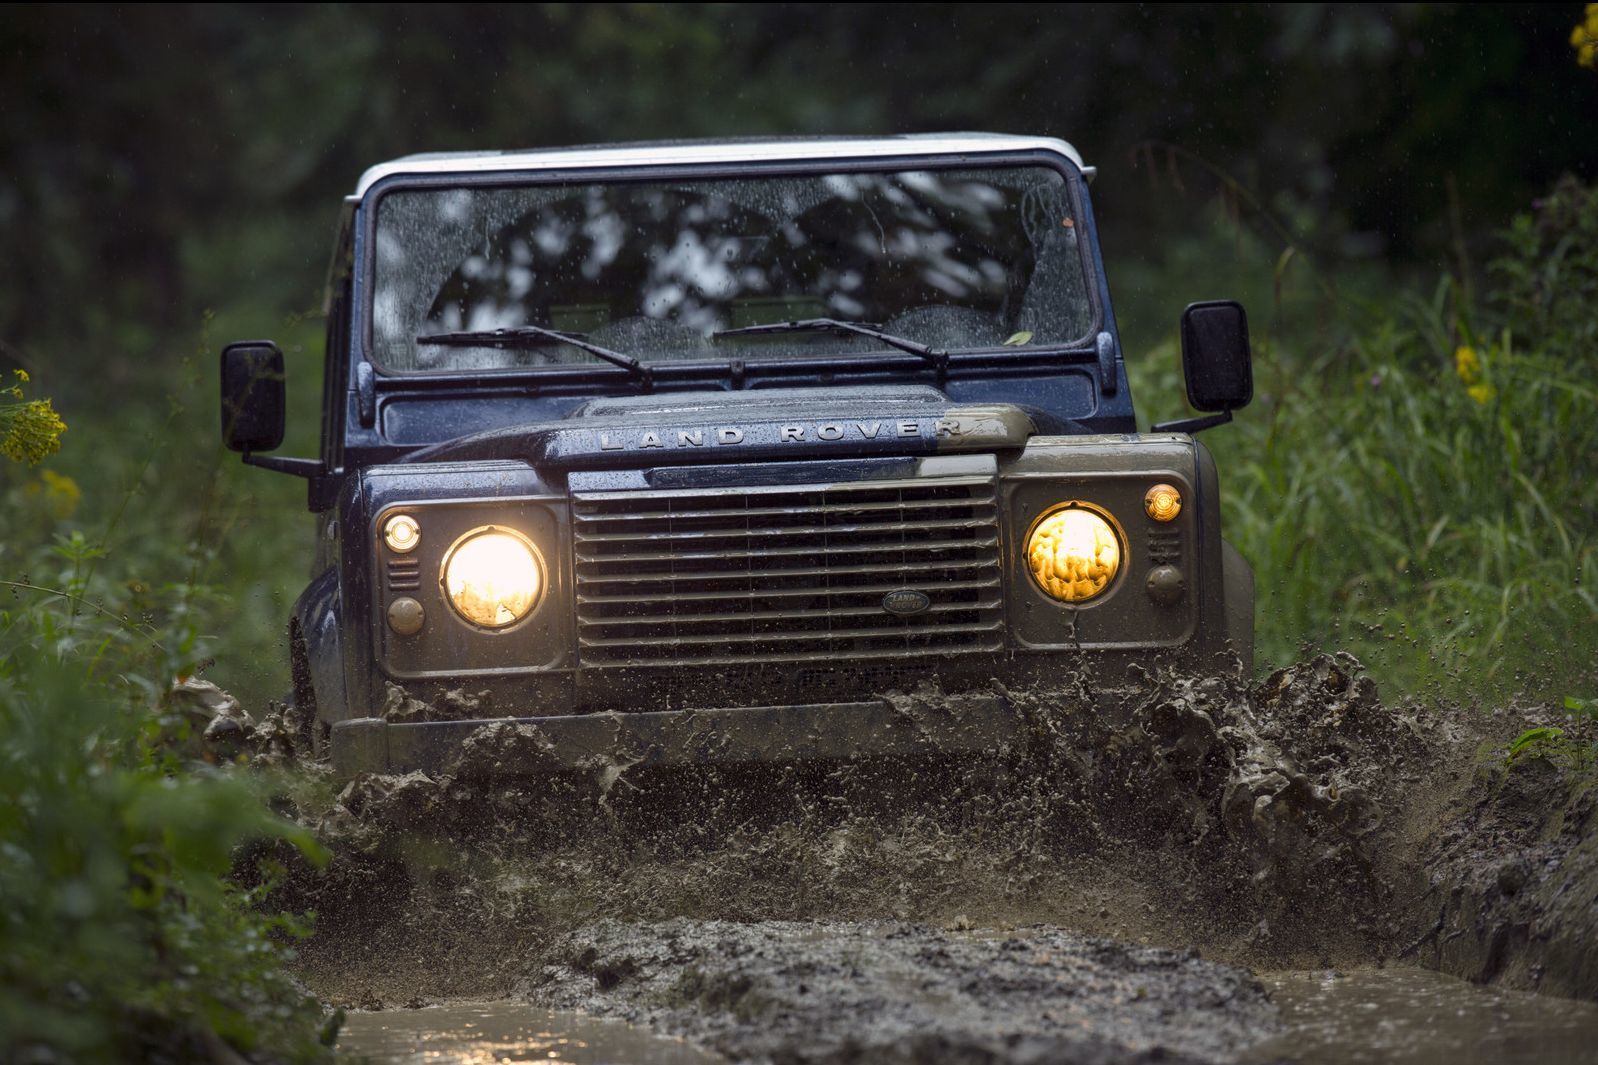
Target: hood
757,425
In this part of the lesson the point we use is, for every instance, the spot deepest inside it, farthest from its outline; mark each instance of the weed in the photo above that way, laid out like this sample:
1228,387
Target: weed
1421,487
123,935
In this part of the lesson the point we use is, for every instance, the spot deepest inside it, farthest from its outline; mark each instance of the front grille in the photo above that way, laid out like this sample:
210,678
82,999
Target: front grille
792,573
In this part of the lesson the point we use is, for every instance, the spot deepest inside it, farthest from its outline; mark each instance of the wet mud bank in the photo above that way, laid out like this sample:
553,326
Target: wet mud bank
1027,905
1512,893
887,991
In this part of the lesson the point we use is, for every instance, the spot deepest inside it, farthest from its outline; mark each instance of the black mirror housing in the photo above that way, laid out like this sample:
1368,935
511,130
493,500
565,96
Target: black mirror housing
1216,360
254,403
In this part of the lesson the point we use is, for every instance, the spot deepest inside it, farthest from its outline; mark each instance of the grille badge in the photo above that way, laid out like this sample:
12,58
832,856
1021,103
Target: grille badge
905,602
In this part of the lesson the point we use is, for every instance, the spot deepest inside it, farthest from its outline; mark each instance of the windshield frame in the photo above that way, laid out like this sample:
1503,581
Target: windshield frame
731,368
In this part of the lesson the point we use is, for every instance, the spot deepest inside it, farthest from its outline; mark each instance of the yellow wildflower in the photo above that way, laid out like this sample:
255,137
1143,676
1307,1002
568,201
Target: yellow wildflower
61,494
1468,365
30,429
1584,39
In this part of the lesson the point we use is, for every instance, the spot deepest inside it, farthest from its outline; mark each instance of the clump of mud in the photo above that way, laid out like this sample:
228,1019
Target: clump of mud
890,992
1271,825
1513,876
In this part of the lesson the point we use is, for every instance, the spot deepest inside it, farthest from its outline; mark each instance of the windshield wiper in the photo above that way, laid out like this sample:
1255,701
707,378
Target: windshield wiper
529,336
936,356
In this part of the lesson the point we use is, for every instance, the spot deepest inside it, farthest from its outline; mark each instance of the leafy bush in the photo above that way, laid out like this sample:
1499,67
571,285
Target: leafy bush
1425,490
122,934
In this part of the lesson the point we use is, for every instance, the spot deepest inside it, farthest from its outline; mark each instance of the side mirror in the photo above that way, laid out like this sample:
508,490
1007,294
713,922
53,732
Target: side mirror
1215,356
253,398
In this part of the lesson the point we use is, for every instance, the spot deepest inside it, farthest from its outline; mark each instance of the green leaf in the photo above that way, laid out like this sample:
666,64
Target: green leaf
1017,339
1533,737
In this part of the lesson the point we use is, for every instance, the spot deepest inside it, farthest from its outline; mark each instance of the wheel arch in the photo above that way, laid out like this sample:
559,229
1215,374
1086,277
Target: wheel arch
316,659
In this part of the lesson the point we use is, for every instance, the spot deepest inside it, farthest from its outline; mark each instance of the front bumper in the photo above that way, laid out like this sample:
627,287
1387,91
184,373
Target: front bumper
890,726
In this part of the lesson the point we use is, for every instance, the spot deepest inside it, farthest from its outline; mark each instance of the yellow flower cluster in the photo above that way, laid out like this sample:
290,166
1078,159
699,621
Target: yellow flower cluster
1467,364
30,429
1584,39
60,493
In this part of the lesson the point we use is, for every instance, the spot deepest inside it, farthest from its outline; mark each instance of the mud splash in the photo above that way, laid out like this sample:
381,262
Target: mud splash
1299,823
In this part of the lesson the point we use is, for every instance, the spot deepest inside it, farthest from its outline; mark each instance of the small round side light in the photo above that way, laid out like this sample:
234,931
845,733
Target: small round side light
1163,502
401,533
406,616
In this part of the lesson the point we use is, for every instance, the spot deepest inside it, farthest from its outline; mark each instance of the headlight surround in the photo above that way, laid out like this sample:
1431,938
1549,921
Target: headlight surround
1074,551
493,577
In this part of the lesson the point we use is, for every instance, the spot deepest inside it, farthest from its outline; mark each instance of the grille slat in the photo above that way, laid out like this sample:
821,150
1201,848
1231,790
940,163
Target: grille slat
773,615
795,530
862,507
910,570
700,554
793,637
776,593
709,576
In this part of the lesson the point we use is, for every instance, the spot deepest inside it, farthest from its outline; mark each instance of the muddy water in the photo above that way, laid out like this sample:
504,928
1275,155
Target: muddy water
1395,1015
1418,1017
478,1033
1098,892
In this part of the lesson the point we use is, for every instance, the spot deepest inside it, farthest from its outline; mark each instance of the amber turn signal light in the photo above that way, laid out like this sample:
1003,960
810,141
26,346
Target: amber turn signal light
1163,502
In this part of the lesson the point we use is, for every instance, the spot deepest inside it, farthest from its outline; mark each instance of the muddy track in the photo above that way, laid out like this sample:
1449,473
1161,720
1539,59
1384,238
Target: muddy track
1298,823
885,991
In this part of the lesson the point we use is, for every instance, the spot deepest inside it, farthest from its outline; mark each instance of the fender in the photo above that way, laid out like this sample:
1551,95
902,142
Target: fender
316,614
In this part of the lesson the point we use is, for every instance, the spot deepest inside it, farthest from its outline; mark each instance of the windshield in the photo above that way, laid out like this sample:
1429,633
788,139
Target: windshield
954,259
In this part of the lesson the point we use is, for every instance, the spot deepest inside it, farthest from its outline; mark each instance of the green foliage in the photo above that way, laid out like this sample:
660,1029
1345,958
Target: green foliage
122,934
121,937
1535,741
1423,488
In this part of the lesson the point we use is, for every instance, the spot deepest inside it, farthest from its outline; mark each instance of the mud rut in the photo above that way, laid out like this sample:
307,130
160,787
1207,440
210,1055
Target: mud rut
1093,893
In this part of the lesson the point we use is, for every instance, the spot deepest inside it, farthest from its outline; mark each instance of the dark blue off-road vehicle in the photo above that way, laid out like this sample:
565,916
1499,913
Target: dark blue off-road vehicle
693,451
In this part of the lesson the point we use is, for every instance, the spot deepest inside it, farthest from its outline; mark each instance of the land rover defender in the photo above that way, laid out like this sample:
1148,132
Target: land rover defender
696,450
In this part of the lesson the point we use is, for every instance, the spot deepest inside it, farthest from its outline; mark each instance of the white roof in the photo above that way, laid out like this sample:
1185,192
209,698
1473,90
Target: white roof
663,153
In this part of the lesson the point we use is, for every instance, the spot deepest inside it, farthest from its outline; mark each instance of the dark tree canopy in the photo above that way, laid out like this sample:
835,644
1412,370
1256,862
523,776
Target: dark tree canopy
156,160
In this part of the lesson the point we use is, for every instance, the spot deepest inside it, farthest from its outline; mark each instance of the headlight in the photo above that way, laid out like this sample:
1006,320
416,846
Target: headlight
1074,552
493,577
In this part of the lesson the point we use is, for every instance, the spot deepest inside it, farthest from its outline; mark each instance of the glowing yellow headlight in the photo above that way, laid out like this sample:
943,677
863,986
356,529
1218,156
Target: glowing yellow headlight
1074,553
493,577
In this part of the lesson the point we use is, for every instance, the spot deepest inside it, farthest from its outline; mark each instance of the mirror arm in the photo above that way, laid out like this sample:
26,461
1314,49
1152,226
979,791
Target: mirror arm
306,468
1193,425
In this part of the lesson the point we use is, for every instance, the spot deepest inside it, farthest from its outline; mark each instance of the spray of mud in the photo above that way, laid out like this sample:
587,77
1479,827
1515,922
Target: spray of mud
1277,824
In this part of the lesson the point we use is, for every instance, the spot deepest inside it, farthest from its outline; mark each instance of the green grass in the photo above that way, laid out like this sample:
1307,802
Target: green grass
1432,510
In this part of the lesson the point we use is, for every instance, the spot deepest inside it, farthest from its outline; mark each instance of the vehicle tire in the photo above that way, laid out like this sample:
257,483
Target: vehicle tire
315,734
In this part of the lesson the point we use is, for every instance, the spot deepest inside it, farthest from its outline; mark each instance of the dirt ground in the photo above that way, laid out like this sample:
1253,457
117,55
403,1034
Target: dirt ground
1096,892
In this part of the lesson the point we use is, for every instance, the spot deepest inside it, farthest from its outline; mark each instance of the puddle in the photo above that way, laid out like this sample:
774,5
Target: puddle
1419,1017
480,1033
1394,1015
